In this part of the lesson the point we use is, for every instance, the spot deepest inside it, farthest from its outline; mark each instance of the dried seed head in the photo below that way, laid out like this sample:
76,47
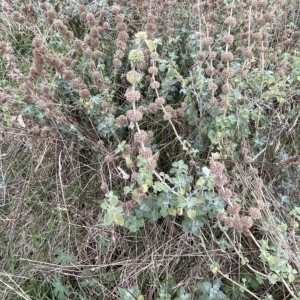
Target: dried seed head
35,130
119,18
121,120
230,21
97,79
167,116
229,222
154,85
184,105
150,166
212,86
246,222
269,18
104,187
3,46
134,116
100,144
140,137
248,54
132,96
234,209
106,25
223,103
98,54
226,88
210,71
136,56
220,180
152,108
154,55
257,36
37,42
220,66
255,213
119,54
208,41
81,8
180,111
221,215
117,63
94,32
227,56
3,97
133,77
85,93
69,75
93,42
145,152
260,4
169,108
116,9
216,168
90,19
121,26
225,193
213,102
201,56
296,34
228,39
237,224
78,45
92,65
253,171
212,55
160,101
77,84
50,16
153,70
226,74
88,53
105,105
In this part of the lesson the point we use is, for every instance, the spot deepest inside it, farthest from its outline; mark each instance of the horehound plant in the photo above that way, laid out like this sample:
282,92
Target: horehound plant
199,165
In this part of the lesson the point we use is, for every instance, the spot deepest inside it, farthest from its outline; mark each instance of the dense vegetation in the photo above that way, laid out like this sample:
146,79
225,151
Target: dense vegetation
150,149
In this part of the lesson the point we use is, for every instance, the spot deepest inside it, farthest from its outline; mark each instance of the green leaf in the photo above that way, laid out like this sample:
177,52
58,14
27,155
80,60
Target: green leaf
180,201
125,295
128,160
128,189
271,259
60,290
113,200
200,181
172,211
62,258
131,293
150,44
118,219
159,186
191,213
291,278
204,287
273,278
108,217
120,147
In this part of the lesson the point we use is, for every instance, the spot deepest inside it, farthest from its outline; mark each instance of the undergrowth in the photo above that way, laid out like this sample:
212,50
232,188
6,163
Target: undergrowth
149,149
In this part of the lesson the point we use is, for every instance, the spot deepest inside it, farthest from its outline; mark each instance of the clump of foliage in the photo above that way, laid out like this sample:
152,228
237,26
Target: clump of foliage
149,149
